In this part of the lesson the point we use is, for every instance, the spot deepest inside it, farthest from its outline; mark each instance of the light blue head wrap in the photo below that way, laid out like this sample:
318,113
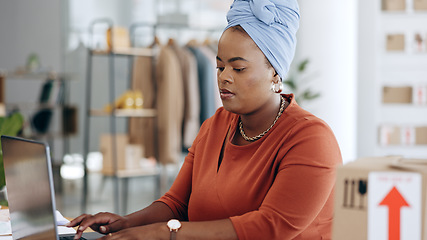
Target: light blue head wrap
272,25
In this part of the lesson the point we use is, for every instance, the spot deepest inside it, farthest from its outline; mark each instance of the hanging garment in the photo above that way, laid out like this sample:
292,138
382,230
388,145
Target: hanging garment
142,130
170,105
211,56
191,123
206,86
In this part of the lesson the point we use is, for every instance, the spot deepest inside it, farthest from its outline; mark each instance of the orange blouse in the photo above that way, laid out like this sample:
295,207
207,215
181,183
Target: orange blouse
278,187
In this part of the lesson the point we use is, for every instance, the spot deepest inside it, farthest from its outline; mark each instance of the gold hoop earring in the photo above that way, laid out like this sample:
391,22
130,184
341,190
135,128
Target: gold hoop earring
276,87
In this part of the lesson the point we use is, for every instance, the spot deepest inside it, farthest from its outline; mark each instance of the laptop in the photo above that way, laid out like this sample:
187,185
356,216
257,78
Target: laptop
30,191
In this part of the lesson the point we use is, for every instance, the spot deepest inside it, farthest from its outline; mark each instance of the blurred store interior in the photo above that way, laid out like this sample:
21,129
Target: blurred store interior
363,66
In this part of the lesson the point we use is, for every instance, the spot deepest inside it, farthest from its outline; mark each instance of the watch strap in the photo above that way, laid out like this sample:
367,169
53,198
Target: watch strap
173,235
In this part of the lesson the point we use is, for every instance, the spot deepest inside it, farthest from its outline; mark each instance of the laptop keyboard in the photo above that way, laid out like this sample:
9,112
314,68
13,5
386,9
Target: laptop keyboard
69,238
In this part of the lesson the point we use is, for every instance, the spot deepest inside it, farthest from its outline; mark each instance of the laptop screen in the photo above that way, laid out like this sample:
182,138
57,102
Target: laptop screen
29,188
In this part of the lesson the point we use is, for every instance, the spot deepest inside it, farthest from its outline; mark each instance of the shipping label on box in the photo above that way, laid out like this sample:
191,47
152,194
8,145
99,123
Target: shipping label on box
419,44
420,95
408,135
394,206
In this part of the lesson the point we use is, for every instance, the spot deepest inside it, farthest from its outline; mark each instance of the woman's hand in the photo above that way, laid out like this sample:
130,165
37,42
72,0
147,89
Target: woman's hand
102,222
156,231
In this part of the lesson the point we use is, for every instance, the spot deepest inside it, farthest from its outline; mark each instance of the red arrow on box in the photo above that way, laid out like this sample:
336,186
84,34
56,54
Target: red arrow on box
395,201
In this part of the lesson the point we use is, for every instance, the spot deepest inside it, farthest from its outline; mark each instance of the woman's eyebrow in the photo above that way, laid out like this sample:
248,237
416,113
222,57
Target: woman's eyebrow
232,59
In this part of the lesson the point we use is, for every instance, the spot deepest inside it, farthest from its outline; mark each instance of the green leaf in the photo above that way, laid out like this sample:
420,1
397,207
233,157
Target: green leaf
294,82
308,95
303,65
12,125
291,84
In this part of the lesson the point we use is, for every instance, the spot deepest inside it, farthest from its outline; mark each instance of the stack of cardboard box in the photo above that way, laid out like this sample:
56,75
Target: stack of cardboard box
362,210
402,135
128,156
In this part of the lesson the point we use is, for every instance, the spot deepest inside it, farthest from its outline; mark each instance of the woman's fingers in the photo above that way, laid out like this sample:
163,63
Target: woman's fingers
76,221
102,222
96,222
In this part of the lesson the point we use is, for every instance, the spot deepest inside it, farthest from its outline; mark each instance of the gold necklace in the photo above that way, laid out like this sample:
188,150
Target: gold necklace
252,139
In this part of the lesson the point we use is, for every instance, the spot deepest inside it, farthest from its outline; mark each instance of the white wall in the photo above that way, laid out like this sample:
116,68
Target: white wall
366,118
30,26
327,37
379,68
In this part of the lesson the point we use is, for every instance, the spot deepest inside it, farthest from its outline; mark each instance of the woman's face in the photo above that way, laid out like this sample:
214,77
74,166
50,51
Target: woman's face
244,74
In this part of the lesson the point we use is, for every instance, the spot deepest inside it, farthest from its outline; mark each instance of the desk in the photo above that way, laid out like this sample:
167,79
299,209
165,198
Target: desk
6,228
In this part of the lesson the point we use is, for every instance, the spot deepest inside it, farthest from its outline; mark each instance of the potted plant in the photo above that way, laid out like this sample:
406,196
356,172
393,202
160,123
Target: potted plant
10,125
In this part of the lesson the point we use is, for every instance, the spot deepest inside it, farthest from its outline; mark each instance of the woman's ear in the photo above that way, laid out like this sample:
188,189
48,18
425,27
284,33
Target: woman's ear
276,78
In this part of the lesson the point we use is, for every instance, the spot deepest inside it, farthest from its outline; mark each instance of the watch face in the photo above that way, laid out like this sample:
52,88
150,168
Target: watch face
174,224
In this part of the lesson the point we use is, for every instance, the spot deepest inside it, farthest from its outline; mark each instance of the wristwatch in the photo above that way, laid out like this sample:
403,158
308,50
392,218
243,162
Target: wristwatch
174,225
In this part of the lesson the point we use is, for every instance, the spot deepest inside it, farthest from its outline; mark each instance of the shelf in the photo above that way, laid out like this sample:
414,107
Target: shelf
403,61
400,77
34,105
40,76
115,146
142,52
402,114
125,113
408,14
414,151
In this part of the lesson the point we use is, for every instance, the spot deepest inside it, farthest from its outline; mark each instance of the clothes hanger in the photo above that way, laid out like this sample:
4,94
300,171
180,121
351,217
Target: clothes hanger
192,43
171,42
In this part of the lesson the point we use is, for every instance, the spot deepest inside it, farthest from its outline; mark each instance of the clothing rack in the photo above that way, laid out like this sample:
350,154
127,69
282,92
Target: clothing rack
130,54
156,27
115,113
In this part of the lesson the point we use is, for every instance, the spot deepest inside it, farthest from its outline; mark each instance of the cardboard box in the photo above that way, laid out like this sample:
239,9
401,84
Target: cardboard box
395,42
397,94
393,5
107,152
128,155
118,38
389,135
420,5
421,135
352,195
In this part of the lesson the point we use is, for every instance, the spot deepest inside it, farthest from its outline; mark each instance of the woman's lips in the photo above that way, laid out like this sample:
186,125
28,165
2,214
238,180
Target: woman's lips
225,94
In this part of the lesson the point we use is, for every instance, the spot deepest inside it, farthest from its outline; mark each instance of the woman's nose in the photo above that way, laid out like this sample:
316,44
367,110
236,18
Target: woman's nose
224,76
